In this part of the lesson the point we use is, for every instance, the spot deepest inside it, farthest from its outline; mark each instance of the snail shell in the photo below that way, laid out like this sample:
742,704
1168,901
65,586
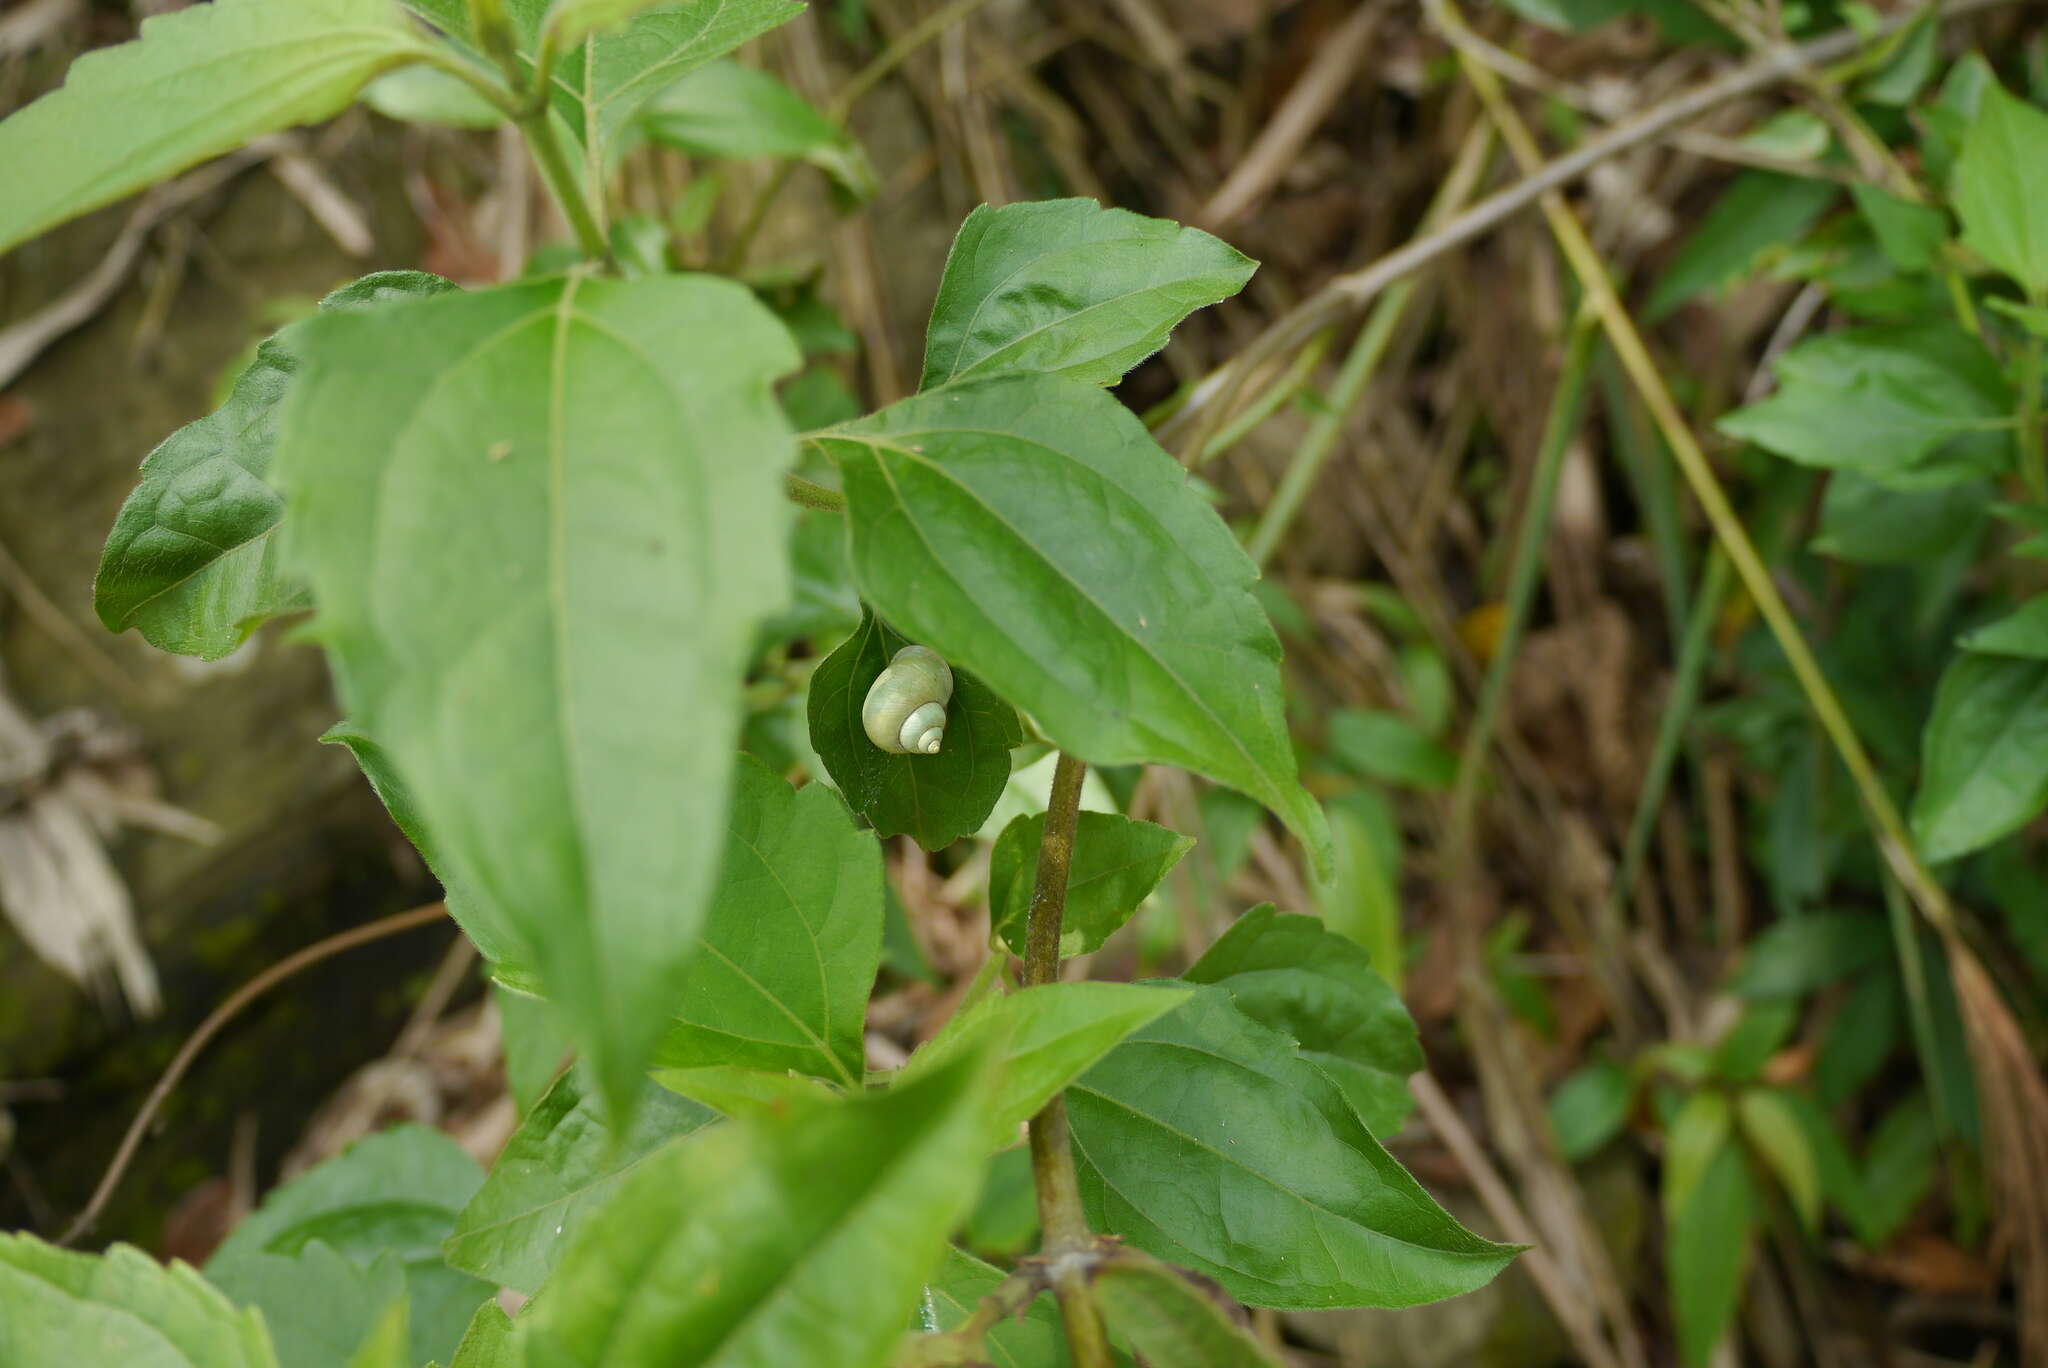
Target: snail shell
905,711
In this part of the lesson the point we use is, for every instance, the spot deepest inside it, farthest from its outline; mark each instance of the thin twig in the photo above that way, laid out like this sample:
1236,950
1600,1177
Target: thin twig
211,1027
1052,1158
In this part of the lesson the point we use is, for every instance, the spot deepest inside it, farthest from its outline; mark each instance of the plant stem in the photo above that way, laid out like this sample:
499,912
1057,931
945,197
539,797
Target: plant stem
1052,1159
810,494
561,178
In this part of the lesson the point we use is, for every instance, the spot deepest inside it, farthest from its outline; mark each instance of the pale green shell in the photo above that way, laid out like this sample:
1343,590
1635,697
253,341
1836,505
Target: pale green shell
905,711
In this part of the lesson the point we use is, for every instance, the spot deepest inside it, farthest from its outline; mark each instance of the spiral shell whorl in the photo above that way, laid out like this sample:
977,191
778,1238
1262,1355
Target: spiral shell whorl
905,710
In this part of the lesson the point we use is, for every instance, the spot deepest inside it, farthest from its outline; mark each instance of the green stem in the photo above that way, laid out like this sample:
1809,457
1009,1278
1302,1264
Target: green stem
1523,573
1052,1158
809,494
561,178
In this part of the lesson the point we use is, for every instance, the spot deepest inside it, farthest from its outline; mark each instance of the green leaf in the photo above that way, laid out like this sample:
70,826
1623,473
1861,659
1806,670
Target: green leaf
1384,745
1207,1141
1909,234
121,1307
1699,1133
934,799
1757,1034
1291,974
1882,402
743,1092
601,83
1998,187
488,1342
1045,1038
1796,955
394,1194
1070,288
571,21
1774,1131
1898,1168
1117,863
1709,1260
1859,1037
1590,1107
542,523
2022,633
1984,754
793,940
194,85
1031,1340
1167,1319
794,1242
389,1343
1866,522
191,561
322,1308
428,95
1760,211
723,109
1363,900
559,1166
1028,528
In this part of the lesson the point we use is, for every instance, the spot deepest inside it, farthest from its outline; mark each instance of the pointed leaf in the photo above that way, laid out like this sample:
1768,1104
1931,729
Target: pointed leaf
1290,974
1028,529
1068,287
1711,1235
793,939
488,1343
121,1307
560,1165
194,85
1775,1131
541,523
1117,862
191,560
1984,754
933,799
1167,1319
321,1307
1205,1140
1998,187
2023,633
1696,1138
797,1242
723,109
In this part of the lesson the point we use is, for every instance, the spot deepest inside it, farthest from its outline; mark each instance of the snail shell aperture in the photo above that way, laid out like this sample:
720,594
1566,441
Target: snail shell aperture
905,711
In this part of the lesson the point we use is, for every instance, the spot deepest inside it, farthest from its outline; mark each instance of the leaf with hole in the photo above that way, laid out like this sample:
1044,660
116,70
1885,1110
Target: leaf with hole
542,523
1029,530
1117,862
933,799
1207,1141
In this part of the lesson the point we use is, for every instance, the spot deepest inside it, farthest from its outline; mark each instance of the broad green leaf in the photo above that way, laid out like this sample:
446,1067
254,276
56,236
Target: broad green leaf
1998,187
723,109
1028,528
1697,1136
1167,1319
488,1342
793,940
387,1346
1117,863
541,523
1909,234
1836,1170
743,1092
571,21
1859,1037
1032,1340
601,83
795,1242
1384,745
1882,402
1774,1131
1068,287
1760,211
534,1045
321,1308
1984,754
1898,1168
1590,1107
191,560
1363,899
1207,1141
1709,1259
194,85
2022,633
393,1195
429,95
1044,1037
1866,522
1289,973
1796,955
933,799
121,1307
559,1166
